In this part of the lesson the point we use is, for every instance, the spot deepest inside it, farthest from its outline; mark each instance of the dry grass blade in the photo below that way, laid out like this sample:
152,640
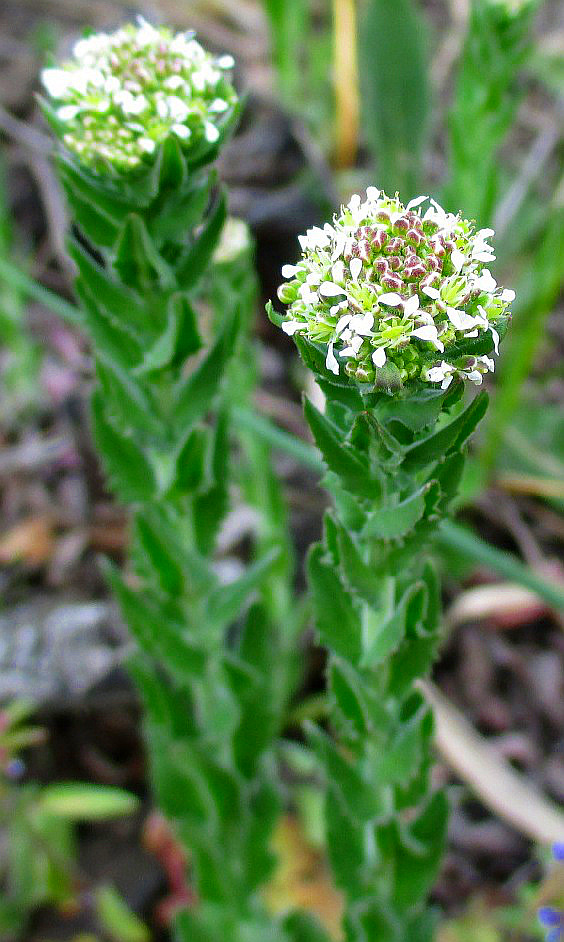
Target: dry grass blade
498,786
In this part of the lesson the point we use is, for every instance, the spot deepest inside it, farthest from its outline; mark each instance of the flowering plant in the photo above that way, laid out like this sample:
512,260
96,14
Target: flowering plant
141,115
391,308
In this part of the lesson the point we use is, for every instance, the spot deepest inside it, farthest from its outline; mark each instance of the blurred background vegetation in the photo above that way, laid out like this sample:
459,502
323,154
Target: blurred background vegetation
462,99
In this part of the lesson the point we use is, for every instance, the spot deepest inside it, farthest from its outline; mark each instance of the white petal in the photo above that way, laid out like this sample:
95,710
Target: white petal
484,234
362,324
330,290
373,193
331,361
338,271
482,256
181,131
290,327
475,377
391,299
430,292
457,259
288,271
146,144
487,361
68,112
416,202
428,333
507,295
356,267
218,106
495,336
211,133
461,320
225,62
56,81
379,357
447,381
342,323
411,305
486,281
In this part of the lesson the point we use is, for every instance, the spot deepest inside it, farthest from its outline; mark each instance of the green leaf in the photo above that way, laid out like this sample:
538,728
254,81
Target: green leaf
126,465
195,393
392,522
138,262
190,463
358,576
302,927
130,405
164,562
346,686
122,308
179,339
362,801
336,617
117,920
353,473
159,636
369,919
395,90
448,438
79,801
199,256
226,602
387,631
210,506
418,862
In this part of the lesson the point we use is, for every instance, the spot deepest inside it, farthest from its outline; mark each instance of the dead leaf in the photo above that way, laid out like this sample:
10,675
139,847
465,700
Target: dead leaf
302,879
30,541
509,795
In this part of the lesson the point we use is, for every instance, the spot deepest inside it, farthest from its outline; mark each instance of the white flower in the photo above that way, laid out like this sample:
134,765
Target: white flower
460,319
442,374
485,281
362,324
429,332
289,271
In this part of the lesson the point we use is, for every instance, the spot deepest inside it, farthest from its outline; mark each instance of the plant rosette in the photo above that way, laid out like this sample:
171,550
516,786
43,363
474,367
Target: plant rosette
398,295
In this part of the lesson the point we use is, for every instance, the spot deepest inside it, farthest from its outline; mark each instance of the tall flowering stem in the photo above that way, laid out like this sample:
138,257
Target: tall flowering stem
141,114
392,308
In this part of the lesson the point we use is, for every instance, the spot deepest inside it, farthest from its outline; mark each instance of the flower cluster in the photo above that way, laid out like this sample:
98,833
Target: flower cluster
393,284
123,93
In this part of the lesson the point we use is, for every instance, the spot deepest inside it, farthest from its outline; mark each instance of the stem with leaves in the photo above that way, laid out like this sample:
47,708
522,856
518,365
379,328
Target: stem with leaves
392,437
141,115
